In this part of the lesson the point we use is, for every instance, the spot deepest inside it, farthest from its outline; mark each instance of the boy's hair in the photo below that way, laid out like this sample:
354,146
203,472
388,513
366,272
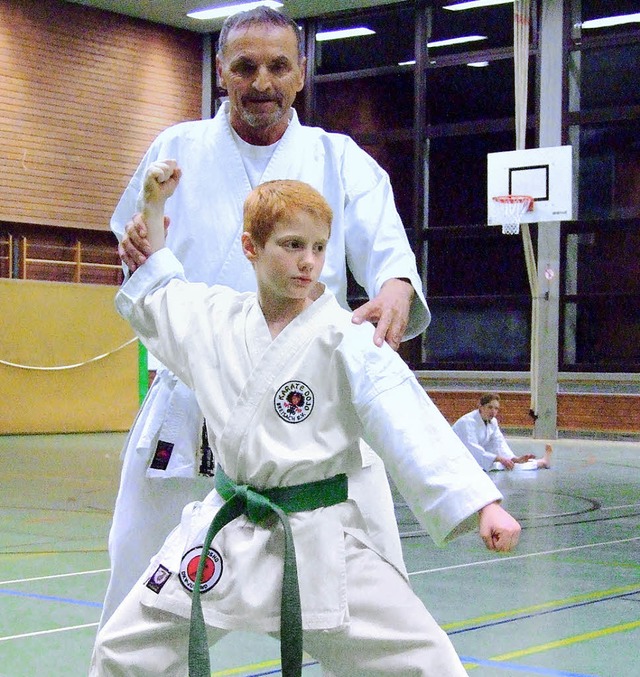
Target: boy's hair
485,398
276,201
255,17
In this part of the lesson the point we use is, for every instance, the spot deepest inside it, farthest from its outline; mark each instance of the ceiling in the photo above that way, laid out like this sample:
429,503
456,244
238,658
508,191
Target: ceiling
173,12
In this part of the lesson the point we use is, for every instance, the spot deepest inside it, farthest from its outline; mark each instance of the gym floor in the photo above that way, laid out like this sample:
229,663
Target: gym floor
567,602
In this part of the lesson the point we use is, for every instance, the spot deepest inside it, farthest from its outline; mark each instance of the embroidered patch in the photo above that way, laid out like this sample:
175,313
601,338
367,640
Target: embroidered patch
293,401
189,569
160,576
161,458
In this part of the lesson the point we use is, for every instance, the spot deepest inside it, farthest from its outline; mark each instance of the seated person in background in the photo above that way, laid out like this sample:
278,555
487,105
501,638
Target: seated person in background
278,546
481,434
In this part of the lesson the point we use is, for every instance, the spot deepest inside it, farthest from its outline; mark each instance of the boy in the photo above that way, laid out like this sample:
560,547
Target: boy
481,434
288,385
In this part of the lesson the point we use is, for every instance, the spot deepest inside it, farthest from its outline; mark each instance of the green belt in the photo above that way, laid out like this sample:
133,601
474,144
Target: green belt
258,506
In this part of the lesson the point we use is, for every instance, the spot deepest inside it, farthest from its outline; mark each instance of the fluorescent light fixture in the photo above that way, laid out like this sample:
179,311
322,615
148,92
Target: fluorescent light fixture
478,64
228,10
472,4
456,41
607,21
407,63
343,33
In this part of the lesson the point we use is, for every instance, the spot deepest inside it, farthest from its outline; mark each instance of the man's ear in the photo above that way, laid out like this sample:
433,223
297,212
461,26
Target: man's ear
219,73
249,248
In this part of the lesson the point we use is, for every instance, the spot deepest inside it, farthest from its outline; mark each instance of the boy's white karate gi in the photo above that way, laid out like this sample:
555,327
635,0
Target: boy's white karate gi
217,341
206,217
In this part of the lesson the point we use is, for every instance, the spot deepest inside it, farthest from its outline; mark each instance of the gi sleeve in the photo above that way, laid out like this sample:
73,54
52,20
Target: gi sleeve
441,482
160,306
376,242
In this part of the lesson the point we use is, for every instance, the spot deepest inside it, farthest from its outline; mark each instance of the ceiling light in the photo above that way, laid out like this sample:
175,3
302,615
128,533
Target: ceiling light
228,10
407,63
343,33
606,21
456,41
478,64
472,4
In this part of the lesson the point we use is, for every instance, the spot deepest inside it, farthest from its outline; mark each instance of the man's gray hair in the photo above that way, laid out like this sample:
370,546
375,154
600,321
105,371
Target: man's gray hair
259,16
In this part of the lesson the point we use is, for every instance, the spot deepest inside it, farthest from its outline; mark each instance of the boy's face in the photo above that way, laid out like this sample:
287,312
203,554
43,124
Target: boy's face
290,262
489,410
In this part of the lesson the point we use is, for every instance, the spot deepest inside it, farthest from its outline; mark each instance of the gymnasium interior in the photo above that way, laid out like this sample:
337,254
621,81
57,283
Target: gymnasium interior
548,316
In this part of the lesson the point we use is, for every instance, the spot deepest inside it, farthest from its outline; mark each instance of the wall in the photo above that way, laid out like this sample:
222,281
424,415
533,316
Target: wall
52,324
82,94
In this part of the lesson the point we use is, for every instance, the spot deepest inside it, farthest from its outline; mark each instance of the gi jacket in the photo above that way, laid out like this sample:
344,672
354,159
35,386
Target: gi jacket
286,411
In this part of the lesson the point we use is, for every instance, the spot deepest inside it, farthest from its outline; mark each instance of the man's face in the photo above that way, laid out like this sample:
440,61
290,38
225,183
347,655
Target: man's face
260,70
489,410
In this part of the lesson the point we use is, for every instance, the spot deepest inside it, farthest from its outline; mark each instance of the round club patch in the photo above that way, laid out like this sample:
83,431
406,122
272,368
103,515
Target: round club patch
293,401
189,569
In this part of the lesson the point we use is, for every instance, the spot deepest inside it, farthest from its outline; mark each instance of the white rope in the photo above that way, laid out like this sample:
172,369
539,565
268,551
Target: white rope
521,26
69,366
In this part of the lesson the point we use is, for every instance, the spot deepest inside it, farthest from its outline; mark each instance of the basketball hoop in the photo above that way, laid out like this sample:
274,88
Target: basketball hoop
513,207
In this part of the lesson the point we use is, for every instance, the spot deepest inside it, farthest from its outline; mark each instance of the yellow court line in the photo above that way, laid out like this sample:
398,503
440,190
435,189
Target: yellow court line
595,634
538,607
246,668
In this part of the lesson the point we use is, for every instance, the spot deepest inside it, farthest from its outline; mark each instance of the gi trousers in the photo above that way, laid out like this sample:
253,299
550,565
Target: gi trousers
389,632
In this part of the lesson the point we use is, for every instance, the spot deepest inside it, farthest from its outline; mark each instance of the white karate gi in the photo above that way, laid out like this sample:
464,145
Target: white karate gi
217,341
485,441
206,217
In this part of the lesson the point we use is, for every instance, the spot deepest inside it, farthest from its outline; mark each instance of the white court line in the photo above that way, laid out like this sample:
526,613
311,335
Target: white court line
508,558
48,632
46,578
619,507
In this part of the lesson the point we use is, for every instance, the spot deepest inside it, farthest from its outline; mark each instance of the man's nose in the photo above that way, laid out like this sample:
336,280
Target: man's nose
262,80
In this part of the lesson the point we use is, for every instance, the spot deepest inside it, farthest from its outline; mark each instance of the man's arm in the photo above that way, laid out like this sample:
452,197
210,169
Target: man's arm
379,254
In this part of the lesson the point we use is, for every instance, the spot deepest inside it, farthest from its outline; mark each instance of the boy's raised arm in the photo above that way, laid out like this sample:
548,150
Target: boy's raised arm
160,182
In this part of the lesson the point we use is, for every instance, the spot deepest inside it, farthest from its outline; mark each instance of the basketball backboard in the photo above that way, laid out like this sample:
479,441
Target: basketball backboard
543,173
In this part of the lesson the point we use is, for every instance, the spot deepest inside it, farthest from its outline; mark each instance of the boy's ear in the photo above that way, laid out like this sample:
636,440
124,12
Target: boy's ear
249,247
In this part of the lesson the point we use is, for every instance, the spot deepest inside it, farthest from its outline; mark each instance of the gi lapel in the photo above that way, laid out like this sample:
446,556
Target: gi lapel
279,353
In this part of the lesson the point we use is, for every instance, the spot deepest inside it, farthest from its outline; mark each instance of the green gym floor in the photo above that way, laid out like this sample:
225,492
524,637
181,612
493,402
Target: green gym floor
566,602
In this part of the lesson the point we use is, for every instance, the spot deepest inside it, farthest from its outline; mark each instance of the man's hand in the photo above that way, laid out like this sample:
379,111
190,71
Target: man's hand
498,529
507,462
389,311
524,458
135,249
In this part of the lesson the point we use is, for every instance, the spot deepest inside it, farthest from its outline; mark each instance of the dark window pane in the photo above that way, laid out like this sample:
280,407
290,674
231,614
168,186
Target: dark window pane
609,171
391,44
461,337
487,264
609,77
366,105
493,23
607,334
460,93
597,9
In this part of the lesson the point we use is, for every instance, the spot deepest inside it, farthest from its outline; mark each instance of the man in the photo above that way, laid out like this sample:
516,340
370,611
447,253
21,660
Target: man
357,615
255,137
481,434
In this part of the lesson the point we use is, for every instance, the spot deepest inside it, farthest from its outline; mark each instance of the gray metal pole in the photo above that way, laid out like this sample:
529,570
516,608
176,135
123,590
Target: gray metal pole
551,78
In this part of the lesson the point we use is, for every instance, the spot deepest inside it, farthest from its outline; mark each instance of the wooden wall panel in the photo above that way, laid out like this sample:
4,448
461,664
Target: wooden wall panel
82,94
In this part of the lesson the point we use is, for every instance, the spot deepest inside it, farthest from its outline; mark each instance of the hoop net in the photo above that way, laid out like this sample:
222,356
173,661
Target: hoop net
513,207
